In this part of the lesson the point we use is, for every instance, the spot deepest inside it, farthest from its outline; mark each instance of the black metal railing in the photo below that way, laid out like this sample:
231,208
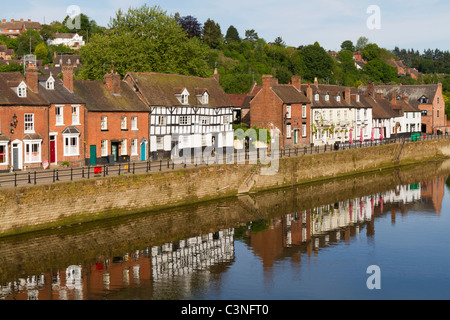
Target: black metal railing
50,176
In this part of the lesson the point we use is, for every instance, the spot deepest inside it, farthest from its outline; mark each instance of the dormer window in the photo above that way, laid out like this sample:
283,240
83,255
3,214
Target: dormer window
423,100
357,98
22,90
316,97
50,84
338,98
327,97
205,98
183,97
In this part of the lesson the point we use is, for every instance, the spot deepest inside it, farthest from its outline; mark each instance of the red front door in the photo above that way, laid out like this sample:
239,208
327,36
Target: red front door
52,150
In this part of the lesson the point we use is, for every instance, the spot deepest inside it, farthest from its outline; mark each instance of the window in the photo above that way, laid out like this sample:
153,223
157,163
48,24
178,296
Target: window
204,120
123,123
71,145
316,97
184,99
205,98
304,111
59,112
288,131
327,97
358,115
338,98
3,154
331,114
134,147
22,90
50,84
159,143
226,120
29,123
104,123
75,115
304,130
288,111
104,148
185,120
124,148
161,121
33,152
437,113
134,123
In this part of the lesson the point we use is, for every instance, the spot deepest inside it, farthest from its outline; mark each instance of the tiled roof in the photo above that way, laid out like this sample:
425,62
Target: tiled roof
159,89
289,94
8,96
98,98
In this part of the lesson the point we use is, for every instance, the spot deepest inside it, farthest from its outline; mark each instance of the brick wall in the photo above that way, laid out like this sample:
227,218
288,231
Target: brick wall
32,207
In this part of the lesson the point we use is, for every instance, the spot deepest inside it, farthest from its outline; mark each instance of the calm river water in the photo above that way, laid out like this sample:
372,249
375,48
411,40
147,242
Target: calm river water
302,243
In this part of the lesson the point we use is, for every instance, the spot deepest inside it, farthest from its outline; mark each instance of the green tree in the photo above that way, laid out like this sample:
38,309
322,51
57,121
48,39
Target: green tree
371,52
349,71
348,45
212,34
232,35
144,39
361,43
318,63
251,35
30,37
379,71
41,52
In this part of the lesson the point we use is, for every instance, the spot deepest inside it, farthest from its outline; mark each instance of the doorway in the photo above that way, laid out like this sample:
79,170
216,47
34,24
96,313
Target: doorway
115,150
53,149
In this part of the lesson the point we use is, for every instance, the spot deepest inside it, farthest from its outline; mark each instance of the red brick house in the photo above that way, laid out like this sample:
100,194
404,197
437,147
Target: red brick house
23,129
15,28
116,121
66,118
428,99
282,108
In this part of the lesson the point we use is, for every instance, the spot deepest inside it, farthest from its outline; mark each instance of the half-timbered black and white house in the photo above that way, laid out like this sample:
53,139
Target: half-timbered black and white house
186,112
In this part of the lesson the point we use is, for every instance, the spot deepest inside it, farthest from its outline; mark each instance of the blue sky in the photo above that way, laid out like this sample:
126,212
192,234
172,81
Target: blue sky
407,24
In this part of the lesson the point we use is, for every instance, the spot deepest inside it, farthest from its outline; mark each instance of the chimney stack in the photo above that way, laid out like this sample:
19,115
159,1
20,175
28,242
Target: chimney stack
309,93
67,71
371,89
216,75
316,82
267,81
32,75
296,81
347,95
112,82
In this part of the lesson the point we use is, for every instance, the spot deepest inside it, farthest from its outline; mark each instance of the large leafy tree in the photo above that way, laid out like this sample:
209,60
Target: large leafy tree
232,35
144,39
191,25
318,63
212,34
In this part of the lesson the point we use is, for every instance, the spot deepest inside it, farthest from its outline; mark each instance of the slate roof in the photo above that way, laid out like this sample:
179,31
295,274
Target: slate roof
412,92
60,95
289,94
160,89
98,98
9,97
333,91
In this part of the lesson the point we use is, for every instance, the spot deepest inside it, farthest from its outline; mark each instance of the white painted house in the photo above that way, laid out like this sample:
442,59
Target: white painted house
71,40
186,112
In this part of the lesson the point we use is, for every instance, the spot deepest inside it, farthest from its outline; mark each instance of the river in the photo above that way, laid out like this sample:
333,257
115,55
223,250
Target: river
377,236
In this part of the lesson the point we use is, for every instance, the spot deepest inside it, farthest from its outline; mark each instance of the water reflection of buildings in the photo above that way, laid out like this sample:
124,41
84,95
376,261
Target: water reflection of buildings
319,227
153,264
288,236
